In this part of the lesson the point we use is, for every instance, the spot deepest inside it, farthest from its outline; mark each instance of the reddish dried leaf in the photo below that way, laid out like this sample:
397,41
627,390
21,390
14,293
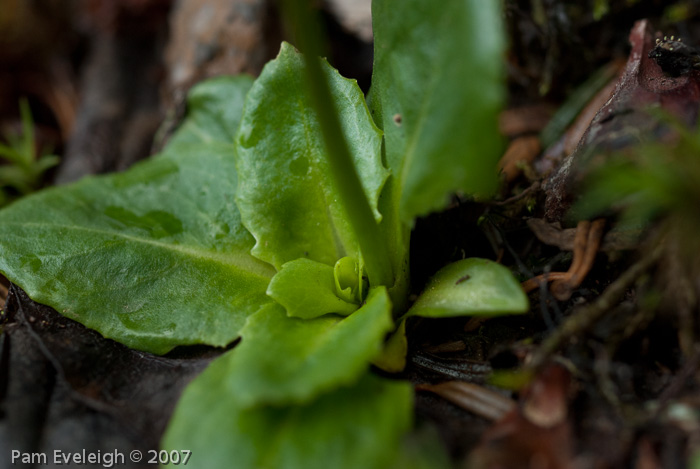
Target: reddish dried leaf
577,130
538,434
545,401
646,455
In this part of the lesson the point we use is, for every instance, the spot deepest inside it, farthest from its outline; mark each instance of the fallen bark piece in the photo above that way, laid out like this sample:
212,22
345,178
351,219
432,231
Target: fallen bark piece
65,387
625,119
354,15
218,37
119,103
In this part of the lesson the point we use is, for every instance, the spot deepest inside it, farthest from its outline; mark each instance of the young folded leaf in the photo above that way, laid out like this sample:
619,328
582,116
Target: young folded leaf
214,110
349,280
307,289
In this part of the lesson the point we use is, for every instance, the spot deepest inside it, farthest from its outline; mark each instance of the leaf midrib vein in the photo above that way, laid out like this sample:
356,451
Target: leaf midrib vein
241,261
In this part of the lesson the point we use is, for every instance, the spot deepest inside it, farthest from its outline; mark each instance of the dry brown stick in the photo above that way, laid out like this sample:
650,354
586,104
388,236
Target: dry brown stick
580,246
586,315
583,261
580,242
528,190
534,282
471,397
586,245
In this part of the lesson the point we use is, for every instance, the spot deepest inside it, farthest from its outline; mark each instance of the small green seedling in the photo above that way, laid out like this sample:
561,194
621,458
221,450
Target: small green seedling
24,166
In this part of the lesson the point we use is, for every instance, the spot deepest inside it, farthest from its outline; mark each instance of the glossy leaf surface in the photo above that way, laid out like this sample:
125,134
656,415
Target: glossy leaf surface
299,213
357,426
436,92
283,360
471,287
154,257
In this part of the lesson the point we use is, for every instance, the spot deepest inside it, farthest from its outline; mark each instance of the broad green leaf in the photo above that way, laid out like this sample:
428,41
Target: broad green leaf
307,289
437,88
286,197
154,257
471,287
283,360
356,427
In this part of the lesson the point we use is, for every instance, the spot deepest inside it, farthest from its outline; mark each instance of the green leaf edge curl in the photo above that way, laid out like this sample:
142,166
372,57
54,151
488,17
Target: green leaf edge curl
307,289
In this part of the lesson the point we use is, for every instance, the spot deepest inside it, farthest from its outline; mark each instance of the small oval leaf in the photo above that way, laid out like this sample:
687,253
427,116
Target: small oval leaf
471,287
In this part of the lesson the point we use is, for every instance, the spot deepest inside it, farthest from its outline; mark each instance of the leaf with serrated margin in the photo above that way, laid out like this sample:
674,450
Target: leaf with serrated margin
286,196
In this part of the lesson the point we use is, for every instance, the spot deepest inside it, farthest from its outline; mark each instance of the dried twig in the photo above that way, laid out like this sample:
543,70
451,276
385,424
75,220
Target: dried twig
534,187
463,370
586,245
472,397
562,289
587,315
